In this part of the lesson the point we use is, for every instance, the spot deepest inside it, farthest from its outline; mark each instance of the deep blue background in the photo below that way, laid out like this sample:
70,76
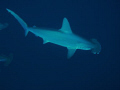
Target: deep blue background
45,67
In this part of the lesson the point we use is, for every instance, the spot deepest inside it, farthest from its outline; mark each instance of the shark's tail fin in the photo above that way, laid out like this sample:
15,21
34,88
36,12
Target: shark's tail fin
97,47
9,60
23,24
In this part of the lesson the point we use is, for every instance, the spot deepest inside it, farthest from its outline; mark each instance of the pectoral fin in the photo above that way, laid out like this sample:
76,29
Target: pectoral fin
70,53
45,41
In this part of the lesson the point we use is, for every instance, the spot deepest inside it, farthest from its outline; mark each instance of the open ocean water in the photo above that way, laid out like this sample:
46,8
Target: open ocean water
38,66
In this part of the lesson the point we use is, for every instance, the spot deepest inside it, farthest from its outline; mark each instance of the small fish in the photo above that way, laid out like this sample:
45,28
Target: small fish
3,26
6,59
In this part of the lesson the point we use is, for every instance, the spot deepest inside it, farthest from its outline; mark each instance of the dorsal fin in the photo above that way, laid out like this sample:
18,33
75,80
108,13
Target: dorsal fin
66,26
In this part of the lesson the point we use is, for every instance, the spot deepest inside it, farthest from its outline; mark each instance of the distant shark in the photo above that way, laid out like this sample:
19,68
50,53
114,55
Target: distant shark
6,59
63,37
3,26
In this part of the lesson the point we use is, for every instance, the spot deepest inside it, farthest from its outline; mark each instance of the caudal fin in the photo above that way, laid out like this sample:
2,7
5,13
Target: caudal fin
23,24
9,60
97,47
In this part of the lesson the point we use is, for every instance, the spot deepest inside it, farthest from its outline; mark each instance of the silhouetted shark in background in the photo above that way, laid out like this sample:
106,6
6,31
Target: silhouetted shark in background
6,59
63,37
3,26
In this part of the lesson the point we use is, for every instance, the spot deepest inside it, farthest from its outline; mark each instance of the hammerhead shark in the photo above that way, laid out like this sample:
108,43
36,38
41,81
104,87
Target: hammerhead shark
63,37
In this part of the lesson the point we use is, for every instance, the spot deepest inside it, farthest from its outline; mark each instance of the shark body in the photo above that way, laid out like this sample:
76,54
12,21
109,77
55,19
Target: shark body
63,37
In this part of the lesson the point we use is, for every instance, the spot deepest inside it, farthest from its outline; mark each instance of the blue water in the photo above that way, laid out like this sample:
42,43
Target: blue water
45,67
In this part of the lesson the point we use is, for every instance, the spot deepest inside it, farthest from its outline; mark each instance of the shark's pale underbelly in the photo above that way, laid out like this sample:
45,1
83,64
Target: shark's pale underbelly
69,41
